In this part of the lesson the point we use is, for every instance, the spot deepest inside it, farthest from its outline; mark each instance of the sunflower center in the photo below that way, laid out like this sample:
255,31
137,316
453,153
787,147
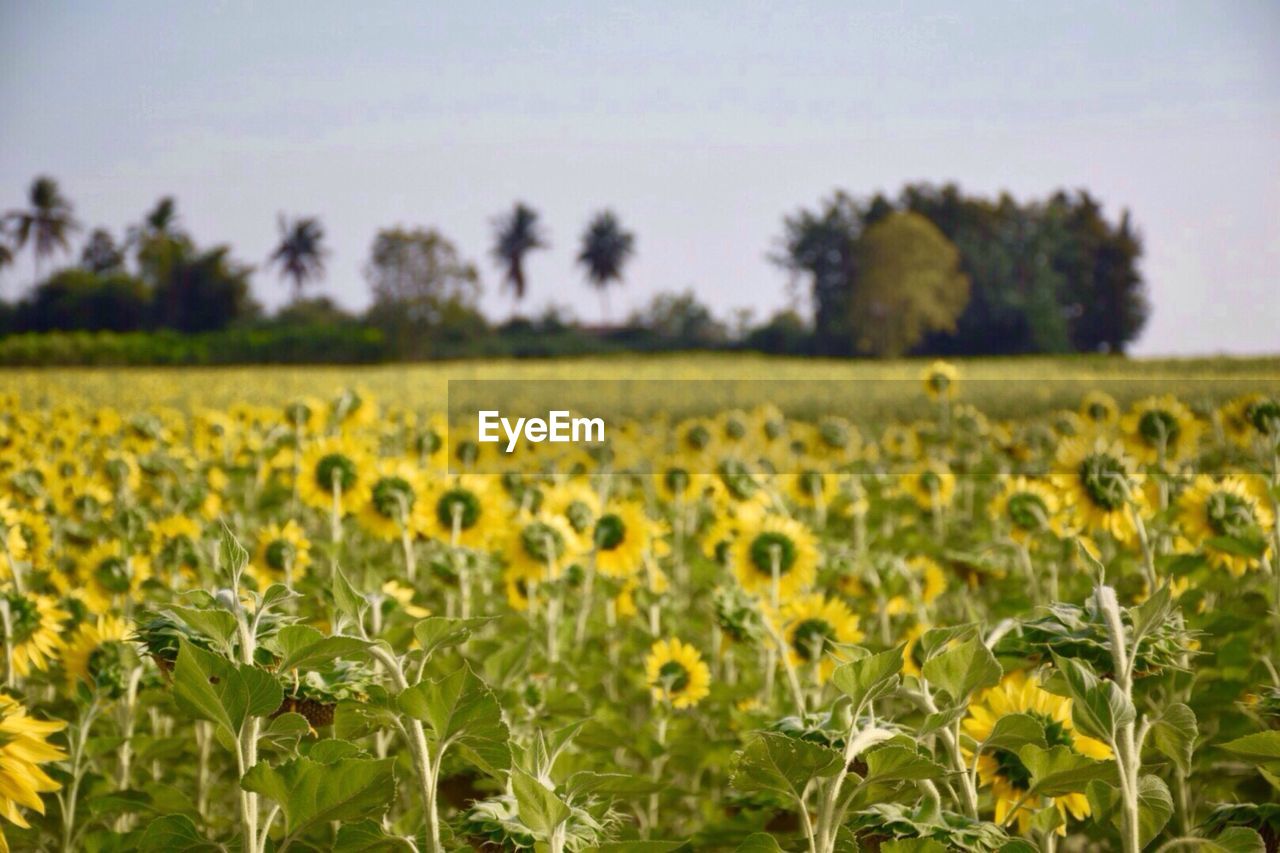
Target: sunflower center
579,515
542,541
610,531
107,667
112,574
1098,412
939,382
1159,428
461,503
930,481
24,618
335,470
1027,510
735,428
698,437
673,676
428,442
677,480
1265,416
737,479
393,497
764,548
811,483
1104,479
467,452
1229,515
834,435
810,637
1011,769
297,413
279,553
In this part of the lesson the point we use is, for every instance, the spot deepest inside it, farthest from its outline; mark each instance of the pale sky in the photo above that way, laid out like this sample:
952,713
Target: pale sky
700,124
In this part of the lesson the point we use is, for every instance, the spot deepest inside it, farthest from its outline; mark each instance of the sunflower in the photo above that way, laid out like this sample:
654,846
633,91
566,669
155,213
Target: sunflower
34,625
394,504
811,487
676,673
932,486
174,542
1160,430
23,748
577,503
1002,770
334,470
466,510
99,655
940,380
1098,484
1225,508
110,575
1028,507
541,545
283,551
768,543
1099,409
811,624
927,581
621,536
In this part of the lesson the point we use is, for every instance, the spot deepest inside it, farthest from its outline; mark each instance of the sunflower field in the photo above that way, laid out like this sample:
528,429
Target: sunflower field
314,623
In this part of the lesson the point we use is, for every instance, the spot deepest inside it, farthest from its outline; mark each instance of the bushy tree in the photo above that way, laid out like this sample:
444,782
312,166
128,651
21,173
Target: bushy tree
909,284
195,290
81,299
423,290
101,254
822,245
681,318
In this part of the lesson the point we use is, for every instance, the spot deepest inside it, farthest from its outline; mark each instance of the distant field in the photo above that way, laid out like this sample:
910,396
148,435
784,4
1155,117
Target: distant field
1001,387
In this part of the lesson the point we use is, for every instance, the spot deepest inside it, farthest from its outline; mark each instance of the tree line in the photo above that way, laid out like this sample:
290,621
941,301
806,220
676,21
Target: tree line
932,271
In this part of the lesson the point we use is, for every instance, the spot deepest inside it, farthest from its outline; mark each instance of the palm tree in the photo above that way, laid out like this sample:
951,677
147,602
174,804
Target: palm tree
300,254
160,221
515,235
46,223
606,248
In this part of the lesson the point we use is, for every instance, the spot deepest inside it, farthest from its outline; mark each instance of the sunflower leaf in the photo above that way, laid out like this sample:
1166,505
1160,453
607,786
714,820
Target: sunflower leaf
1058,770
1175,735
304,647
1012,731
962,669
784,765
461,710
540,809
868,679
1098,708
439,632
311,793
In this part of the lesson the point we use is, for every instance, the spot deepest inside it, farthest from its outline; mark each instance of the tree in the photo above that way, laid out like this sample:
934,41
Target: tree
195,290
822,246
909,284
516,234
681,319
100,253
423,290
46,223
606,248
301,252
81,299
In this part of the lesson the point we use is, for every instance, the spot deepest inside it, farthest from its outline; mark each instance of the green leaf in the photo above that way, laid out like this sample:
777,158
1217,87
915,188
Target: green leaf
1174,734
461,709
1151,613
1098,708
440,632
215,623
303,647
1155,807
868,679
899,763
538,806
1261,748
775,762
614,784
345,598
234,556
1012,731
1252,547
962,669
311,793
1058,770
263,692
759,842
174,833
1233,839
640,847
208,687
368,836
913,845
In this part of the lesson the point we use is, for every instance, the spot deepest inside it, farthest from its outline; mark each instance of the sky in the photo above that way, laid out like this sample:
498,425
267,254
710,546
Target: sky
700,124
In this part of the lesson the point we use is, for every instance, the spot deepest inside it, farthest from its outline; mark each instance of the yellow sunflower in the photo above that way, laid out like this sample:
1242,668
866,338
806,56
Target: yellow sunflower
1161,430
1098,483
621,535
1099,409
932,486
23,748
466,510
98,654
811,624
395,502
940,379
283,552
1028,507
334,472
1002,770
1229,508
110,576
768,543
676,673
35,631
